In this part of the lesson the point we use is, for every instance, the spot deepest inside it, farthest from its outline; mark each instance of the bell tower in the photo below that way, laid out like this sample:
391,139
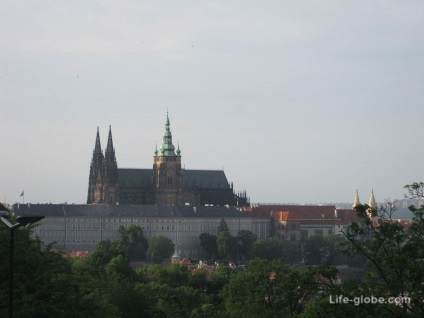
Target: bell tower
167,170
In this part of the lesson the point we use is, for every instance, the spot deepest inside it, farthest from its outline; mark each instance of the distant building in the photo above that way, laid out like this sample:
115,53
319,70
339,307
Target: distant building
300,222
167,183
83,227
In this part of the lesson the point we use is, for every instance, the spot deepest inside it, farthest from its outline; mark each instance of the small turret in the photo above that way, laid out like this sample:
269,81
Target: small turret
178,150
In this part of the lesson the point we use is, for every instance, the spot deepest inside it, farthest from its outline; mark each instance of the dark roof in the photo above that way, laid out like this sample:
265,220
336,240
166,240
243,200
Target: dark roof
101,210
349,215
300,211
205,179
142,178
134,178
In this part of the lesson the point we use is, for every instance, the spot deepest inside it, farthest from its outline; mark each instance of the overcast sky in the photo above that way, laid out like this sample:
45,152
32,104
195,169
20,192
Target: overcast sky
298,101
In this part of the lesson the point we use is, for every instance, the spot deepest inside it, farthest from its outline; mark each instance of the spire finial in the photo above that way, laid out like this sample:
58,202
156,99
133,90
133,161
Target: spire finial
167,149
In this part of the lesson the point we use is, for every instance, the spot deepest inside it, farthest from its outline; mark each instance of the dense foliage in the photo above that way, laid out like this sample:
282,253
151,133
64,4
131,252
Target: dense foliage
279,279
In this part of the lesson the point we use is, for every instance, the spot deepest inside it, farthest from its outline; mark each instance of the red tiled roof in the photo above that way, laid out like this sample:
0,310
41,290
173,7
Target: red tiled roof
349,215
328,221
284,216
405,223
299,211
305,214
185,262
78,254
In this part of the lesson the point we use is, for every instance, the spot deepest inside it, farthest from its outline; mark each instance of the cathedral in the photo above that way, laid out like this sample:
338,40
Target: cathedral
165,184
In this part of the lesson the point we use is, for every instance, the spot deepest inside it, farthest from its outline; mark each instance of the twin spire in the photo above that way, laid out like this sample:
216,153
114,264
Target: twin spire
371,203
109,152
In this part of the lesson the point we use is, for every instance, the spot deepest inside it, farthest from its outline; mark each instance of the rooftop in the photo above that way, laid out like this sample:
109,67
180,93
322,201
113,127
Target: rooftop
105,211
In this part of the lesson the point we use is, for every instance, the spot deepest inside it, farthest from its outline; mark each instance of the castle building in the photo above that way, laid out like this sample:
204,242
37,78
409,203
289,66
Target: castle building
165,184
300,222
81,227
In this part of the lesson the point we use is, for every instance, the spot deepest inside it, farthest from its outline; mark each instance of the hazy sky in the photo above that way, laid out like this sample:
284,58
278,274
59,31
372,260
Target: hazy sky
298,101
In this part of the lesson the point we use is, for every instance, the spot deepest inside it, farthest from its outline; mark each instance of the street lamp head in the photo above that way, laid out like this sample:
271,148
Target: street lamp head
24,220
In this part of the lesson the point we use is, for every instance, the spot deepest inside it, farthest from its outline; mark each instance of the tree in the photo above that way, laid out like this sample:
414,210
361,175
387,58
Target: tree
209,244
172,275
160,248
271,289
245,241
166,301
44,281
227,245
120,266
97,261
132,242
271,248
223,226
394,254
316,250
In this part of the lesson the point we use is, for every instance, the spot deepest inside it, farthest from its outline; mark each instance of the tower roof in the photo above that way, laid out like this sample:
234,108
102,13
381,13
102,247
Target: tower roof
167,149
97,152
110,156
356,201
372,202
97,147
109,147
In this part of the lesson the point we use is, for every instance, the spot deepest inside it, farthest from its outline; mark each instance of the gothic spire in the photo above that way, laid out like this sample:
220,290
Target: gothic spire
111,167
110,151
109,147
167,149
97,147
96,172
97,152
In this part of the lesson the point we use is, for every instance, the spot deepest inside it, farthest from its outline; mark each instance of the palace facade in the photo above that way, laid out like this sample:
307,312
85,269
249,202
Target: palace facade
81,227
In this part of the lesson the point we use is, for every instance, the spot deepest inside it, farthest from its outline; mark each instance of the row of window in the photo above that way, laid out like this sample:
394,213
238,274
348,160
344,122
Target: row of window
141,220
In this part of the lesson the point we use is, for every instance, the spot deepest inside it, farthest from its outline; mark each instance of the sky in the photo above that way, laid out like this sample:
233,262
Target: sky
298,101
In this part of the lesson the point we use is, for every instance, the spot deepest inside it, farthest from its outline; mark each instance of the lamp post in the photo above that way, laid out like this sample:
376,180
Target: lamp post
22,221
